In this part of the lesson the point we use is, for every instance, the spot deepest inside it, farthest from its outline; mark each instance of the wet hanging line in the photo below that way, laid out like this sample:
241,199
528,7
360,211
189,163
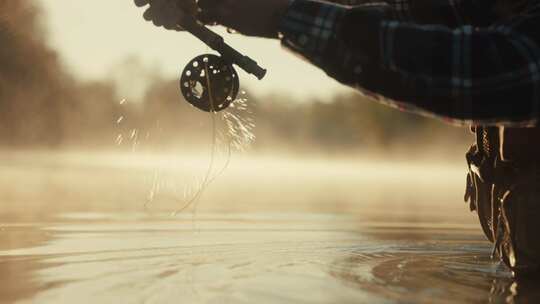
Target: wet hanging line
208,178
237,133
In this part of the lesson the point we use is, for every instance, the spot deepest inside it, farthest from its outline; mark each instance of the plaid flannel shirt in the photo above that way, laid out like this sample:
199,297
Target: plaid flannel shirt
446,58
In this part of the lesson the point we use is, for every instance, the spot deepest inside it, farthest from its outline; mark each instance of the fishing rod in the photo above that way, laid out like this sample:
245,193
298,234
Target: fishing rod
210,82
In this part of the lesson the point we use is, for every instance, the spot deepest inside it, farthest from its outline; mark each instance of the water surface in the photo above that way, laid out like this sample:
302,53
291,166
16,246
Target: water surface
299,232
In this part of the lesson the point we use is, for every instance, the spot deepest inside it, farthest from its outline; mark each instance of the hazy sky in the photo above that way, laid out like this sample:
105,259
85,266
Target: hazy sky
95,36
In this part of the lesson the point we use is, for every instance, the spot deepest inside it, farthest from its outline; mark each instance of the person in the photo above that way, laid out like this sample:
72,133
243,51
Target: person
469,62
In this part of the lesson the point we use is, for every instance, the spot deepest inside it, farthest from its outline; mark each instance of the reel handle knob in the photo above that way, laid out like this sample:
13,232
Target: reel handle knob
249,65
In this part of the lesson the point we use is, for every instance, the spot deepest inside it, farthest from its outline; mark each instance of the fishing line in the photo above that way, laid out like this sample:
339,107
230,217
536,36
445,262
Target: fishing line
239,134
231,130
206,180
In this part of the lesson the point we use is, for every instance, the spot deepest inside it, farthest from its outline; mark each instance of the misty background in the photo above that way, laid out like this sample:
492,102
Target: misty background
44,105
110,187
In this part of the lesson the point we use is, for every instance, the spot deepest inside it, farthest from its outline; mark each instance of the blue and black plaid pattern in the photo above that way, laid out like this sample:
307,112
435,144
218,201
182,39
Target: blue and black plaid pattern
462,72
309,28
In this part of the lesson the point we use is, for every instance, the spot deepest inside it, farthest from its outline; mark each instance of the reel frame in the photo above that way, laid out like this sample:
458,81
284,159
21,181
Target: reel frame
218,87
209,83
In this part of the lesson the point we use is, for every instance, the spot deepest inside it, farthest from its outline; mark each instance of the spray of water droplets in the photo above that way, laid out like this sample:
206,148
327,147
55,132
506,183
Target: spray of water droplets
232,130
239,125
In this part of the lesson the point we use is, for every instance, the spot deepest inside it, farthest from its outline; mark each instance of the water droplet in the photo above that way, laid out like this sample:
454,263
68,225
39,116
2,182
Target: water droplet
119,139
134,134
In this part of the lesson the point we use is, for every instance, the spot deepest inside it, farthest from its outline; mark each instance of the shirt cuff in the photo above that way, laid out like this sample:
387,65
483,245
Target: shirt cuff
309,26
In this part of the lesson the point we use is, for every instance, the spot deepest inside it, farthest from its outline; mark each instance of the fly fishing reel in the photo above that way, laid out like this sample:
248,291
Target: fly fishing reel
210,82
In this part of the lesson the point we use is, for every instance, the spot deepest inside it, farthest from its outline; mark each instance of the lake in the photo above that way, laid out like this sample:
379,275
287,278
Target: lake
111,228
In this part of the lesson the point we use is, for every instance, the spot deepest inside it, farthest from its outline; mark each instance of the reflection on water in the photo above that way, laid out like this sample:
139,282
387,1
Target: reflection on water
263,259
305,232
453,272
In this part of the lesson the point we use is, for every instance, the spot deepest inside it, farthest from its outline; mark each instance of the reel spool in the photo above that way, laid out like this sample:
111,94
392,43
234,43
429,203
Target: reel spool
209,83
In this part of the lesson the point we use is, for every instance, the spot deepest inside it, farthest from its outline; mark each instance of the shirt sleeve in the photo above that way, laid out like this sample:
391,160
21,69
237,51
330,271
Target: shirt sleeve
465,74
449,12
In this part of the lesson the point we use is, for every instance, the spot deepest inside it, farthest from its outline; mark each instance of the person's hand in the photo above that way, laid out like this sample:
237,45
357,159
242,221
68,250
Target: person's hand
249,17
168,13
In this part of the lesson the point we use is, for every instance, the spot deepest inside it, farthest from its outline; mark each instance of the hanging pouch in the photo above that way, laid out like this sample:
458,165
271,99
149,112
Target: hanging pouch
479,190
